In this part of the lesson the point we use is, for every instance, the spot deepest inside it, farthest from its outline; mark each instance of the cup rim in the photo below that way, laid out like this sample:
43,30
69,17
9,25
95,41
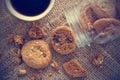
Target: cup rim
29,18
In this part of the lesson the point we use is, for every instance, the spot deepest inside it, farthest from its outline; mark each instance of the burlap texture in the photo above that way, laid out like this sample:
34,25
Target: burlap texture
109,70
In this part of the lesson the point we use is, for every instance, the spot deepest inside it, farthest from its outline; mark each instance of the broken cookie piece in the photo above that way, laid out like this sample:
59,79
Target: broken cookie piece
74,68
36,31
18,39
55,65
98,60
50,73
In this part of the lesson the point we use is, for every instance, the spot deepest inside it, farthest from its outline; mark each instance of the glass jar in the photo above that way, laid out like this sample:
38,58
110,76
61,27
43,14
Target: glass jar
100,30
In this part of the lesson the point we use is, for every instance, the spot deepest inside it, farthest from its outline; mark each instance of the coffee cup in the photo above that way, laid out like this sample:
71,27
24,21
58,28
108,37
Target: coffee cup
29,10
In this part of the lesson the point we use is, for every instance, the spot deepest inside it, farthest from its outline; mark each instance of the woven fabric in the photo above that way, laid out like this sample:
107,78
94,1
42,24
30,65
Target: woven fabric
109,70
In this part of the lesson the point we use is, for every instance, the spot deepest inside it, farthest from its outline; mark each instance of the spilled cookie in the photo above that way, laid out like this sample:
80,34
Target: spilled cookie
74,68
106,24
62,40
36,54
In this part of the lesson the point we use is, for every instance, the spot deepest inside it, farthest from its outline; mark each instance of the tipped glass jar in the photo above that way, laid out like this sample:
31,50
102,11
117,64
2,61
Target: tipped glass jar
92,24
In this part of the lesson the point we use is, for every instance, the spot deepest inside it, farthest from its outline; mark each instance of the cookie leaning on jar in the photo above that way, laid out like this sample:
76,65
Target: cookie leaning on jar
90,14
106,24
108,6
88,29
62,40
99,24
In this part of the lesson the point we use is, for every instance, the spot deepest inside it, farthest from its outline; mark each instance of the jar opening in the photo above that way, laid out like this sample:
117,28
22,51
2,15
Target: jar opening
73,18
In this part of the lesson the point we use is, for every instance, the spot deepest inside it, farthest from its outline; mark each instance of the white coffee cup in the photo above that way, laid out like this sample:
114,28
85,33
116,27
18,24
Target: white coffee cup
29,18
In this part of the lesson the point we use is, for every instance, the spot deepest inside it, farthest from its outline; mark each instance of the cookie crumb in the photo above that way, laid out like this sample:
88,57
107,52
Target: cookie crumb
50,73
36,31
55,65
18,39
22,72
10,38
98,60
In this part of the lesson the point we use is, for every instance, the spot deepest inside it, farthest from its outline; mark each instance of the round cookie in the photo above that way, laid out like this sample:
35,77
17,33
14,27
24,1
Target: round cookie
106,24
107,6
90,14
62,40
74,68
36,54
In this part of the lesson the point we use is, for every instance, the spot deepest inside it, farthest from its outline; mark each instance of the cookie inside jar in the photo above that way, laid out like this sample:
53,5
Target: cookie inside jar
90,14
90,23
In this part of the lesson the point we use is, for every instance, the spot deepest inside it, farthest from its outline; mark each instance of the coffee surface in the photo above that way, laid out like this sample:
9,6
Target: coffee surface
30,7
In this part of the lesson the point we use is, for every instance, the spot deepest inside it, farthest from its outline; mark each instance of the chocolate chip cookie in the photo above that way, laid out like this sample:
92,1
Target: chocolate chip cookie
62,40
36,54
106,24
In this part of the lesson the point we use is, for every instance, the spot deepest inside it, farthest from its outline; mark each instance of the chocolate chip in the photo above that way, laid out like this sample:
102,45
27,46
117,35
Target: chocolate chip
56,39
68,40
44,55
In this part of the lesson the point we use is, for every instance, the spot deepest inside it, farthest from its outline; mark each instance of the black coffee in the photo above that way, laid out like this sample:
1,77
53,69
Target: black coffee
30,7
